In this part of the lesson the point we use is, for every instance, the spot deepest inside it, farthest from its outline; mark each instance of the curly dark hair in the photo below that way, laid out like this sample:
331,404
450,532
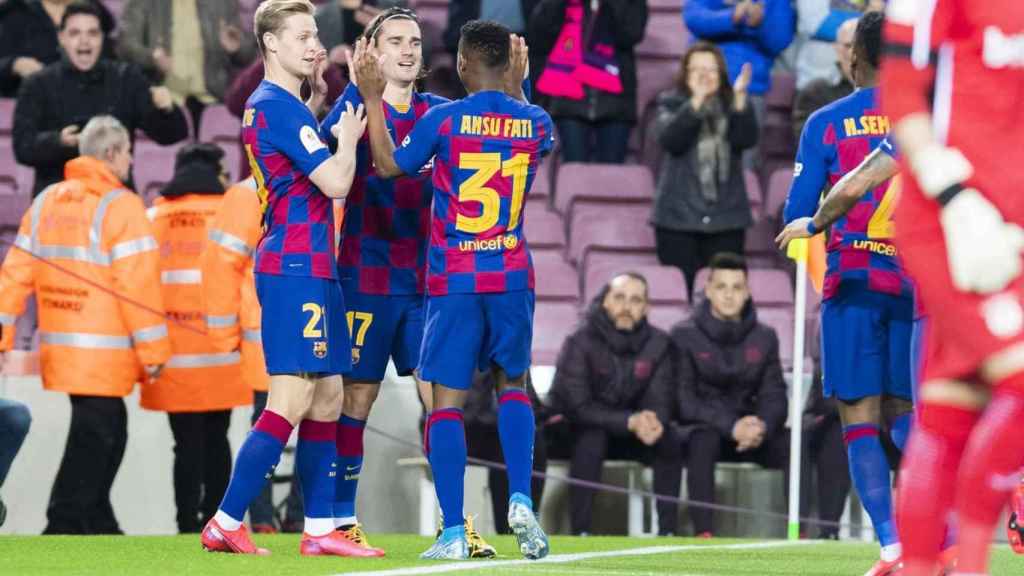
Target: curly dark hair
489,41
867,40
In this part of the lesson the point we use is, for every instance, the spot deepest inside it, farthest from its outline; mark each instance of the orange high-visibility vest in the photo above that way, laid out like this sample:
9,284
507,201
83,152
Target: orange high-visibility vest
87,251
233,313
198,377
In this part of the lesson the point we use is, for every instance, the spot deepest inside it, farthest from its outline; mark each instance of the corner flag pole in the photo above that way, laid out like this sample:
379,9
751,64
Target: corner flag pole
798,251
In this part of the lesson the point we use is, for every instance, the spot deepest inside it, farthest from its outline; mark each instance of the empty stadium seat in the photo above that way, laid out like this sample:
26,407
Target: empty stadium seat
665,36
601,182
673,6
778,190
768,287
665,317
556,279
781,319
218,123
153,166
760,242
541,185
544,227
611,227
782,92
612,262
754,193
6,115
552,323
665,283
14,201
654,75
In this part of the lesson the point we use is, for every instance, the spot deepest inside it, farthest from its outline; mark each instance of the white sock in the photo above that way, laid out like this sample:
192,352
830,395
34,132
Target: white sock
318,526
346,521
227,522
892,552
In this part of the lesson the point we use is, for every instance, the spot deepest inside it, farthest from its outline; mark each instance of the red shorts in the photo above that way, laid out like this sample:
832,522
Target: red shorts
964,328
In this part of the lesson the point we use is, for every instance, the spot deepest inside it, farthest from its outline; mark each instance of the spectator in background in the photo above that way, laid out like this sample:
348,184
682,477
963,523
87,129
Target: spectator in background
340,23
818,25
199,386
513,14
613,385
28,38
730,385
747,31
482,442
192,47
94,346
703,125
589,73
54,104
819,92
15,420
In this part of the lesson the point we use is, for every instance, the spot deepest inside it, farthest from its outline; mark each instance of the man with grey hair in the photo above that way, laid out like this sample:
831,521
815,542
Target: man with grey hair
96,336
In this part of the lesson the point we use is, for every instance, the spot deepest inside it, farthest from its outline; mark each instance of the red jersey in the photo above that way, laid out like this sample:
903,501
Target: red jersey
963,62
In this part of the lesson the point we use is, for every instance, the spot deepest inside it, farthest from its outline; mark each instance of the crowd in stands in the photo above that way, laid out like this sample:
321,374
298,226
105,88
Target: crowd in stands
693,103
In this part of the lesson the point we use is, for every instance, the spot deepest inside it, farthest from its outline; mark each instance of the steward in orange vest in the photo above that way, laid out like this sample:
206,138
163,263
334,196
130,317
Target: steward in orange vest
200,384
87,251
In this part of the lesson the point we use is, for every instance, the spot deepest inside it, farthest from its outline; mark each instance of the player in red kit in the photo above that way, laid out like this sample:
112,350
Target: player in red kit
951,80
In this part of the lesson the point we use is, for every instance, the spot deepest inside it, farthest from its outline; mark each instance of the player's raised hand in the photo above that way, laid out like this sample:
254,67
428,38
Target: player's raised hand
350,126
518,66
316,80
799,228
743,79
369,71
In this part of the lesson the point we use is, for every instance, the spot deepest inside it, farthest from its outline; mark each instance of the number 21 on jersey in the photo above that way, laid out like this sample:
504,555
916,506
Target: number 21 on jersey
475,189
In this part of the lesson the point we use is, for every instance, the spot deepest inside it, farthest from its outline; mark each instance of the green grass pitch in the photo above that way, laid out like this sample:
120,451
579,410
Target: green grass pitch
182,555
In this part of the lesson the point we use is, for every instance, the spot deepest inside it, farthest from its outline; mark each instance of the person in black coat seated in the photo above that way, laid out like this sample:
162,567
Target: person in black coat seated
613,384
730,386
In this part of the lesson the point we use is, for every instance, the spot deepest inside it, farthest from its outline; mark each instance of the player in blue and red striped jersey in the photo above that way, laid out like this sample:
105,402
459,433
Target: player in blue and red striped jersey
305,339
868,308
383,258
485,150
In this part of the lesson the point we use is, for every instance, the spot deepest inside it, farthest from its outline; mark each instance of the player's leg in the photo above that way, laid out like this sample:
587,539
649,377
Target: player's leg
508,339
946,413
855,361
359,399
992,460
896,402
448,357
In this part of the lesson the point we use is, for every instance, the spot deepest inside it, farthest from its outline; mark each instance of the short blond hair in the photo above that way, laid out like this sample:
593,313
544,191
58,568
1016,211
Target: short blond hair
271,14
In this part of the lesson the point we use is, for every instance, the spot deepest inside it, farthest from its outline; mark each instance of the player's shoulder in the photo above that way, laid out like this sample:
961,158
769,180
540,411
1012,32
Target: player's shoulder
430,99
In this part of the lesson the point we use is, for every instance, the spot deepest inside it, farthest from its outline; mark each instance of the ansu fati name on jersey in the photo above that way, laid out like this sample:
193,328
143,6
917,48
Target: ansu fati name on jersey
868,125
496,127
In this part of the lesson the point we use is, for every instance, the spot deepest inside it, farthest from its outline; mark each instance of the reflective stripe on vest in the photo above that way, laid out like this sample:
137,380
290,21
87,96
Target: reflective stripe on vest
203,360
191,276
226,321
252,336
7,319
93,253
229,242
150,334
80,340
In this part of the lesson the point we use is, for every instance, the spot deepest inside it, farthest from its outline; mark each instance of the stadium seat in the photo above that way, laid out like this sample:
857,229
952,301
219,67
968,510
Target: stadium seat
601,182
654,75
153,166
6,115
665,36
781,319
555,278
541,185
768,287
217,123
13,202
673,6
760,242
782,92
544,227
552,323
23,176
665,317
612,262
754,193
612,227
778,190
665,283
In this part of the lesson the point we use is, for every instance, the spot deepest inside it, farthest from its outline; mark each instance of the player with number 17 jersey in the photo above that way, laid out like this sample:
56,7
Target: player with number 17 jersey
485,150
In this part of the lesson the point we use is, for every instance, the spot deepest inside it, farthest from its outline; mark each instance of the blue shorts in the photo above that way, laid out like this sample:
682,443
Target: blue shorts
304,330
382,327
467,332
865,345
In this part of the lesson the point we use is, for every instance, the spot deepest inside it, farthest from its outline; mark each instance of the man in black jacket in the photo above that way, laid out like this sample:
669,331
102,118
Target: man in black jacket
730,385
614,386
55,103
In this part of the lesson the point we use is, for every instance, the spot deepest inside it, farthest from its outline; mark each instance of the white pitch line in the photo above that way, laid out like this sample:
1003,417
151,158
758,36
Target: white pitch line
566,558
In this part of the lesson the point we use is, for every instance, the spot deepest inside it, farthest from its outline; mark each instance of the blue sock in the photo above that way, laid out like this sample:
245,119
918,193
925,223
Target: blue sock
256,460
516,428
900,429
870,472
316,461
446,450
350,464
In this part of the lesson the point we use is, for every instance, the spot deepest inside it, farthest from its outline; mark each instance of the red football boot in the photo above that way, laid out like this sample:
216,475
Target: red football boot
1015,527
334,544
217,539
883,568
